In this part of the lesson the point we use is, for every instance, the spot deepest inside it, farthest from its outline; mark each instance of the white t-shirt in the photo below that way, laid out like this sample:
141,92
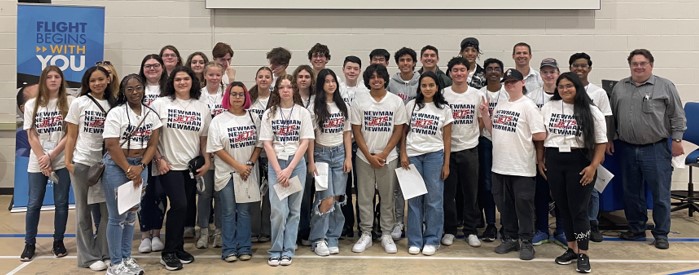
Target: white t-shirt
237,135
333,128
378,120
152,93
49,127
349,93
599,97
465,111
308,103
562,127
286,129
89,119
426,126
214,101
540,97
184,122
514,123
259,106
122,120
493,99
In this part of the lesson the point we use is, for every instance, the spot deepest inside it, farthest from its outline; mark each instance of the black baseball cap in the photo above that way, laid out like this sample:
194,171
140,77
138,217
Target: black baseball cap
512,75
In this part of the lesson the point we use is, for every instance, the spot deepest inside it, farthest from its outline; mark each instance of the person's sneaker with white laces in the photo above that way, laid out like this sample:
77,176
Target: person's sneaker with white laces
388,245
203,241
321,248
414,250
118,269
146,246
448,239
273,261
334,250
157,244
473,240
98,266
170,261
286,261
397,232
363,243
133,266
429,250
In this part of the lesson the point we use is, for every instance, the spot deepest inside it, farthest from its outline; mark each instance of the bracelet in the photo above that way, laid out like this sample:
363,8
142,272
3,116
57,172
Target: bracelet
249,163
128,170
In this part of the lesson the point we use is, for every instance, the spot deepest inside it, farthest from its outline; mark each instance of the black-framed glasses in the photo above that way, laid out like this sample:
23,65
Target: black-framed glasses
103,62
238,94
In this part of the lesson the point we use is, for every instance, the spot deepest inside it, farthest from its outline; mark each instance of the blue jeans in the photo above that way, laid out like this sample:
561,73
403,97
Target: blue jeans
37,190
235,218
593,208
329,225
428,207
646,166
120,228
285,214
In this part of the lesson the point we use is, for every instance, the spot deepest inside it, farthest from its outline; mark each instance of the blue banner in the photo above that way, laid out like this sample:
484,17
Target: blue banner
70,37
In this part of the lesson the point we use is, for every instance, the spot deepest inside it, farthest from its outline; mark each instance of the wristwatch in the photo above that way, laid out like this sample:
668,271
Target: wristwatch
676,140
249,163
143,165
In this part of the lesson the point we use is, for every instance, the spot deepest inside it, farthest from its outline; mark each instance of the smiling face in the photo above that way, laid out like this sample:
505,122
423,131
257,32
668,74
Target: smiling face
470,53
429,59
329,86
566,89
581,68
170,59
406,64
522,56
198,64
152,70
351,71
213,76
134,91
303,80
286,92
493,72
549,75
183,84
376,82
641,68
98,83
459,74
318,61
428,87
237,97
263,80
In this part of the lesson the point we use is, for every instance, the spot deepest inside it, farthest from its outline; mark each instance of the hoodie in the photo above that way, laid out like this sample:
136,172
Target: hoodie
406,90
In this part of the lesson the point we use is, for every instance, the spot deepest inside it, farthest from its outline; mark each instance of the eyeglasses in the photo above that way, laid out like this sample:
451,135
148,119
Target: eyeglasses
238,94
639,64
166,55
134,89
151,66
566,86
103,62
491,69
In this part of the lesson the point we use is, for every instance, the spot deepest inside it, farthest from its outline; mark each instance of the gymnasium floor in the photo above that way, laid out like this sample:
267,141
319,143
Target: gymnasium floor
609,257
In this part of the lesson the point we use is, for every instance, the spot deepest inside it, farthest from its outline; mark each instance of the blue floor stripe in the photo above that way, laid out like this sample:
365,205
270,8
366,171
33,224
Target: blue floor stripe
42,235
685,272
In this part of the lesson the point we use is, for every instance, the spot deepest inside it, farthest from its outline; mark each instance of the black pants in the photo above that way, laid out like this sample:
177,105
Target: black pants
176,184
514,196
348,209
572,198
463,172
309,191
153,205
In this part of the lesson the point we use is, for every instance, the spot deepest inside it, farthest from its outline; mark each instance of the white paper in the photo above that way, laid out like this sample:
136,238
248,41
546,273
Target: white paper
245,191
128,196
678,161
294,186
411,182
603,178
321,176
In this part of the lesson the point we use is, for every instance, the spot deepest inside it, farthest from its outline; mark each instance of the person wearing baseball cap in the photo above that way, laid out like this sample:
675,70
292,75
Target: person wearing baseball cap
470,49
515,126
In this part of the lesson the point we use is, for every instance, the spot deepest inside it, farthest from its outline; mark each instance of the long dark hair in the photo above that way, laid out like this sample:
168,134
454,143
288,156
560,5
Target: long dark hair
438,97
163,74
581,109
275,99
194,91
321,107
254,91
85,83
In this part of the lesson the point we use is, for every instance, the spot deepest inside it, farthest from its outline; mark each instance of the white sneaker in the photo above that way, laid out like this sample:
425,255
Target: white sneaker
397,231
157,244
429,250
473,240
188,232
203,241
217,238
131,264
321,248
363,243
334,250
231,258
145,246
388,245
414,250
118,269
98,266
448,239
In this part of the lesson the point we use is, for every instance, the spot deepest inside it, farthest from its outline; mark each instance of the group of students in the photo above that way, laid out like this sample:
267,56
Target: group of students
181,130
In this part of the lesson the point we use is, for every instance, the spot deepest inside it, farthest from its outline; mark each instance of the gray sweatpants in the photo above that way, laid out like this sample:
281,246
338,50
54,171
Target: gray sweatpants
91,248
383,179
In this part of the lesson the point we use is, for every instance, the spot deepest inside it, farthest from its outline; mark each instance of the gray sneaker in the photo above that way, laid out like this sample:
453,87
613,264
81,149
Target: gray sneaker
131,264
527,251
507,245
119,269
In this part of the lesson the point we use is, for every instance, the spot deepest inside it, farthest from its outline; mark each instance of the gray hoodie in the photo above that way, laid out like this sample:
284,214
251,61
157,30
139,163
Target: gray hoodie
406,90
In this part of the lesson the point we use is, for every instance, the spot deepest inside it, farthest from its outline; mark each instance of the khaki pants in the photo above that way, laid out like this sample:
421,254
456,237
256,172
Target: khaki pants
383,179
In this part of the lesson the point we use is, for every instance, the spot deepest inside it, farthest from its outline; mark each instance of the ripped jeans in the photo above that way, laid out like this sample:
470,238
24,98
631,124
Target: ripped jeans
120,228
328,226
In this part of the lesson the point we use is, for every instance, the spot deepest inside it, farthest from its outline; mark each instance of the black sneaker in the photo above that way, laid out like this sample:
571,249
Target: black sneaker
28,253
507,246
662,243
184,257
595,234
583,264
170,261
567,258
526,251
59,249
633,236
490,233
